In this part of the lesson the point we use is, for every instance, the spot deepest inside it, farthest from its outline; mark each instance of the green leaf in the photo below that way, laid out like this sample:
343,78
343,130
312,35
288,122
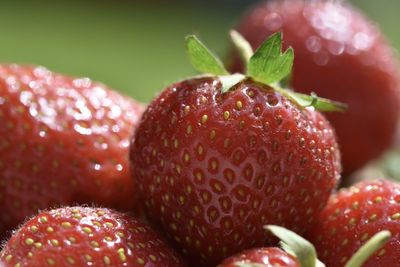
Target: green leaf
295,244
369,248
268,65
229,81
319,103
248,264
202,59
242,46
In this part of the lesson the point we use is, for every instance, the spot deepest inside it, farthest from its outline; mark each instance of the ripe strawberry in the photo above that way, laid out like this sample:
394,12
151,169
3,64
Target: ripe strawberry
217,157
62,141
298,252
342,55
262,257
352,216
82,236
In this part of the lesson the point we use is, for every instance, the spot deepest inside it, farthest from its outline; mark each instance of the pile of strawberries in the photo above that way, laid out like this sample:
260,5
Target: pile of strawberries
217,168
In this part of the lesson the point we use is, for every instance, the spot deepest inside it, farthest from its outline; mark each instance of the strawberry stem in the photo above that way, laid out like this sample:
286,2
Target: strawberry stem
369,248
296,245
242,46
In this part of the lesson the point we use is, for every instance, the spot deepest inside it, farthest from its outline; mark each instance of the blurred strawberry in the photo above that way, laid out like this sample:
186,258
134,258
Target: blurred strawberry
341,55
219,156
62,141
81,236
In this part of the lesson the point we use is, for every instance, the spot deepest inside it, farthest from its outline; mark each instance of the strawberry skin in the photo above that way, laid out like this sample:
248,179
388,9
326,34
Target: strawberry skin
340,55
83,236
214,168
265,257
352,216
62,141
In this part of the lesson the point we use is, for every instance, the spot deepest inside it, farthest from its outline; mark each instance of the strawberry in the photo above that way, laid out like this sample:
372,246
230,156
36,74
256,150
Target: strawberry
62,141
298,252
352,216
219,156
261,257
342,55
83,236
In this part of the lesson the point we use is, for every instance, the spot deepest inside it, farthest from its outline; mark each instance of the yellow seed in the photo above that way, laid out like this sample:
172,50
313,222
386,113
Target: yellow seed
94,244
152,257
101,212
121,254
50,229
70,260
88,257
395,216
200,150
54,242
109,225
186,157
50,261
381,252
373,217
239,105
226,115
187,109
140,261
212,134
189,129
107,260
8,258
38,245
43,219
364,237
29,241
87,230
204,119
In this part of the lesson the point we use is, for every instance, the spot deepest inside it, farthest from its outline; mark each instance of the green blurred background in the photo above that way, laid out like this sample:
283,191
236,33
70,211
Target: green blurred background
133,46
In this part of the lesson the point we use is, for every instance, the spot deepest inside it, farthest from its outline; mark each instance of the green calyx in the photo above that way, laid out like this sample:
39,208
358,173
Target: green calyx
306,254
364,253
296,245
267,65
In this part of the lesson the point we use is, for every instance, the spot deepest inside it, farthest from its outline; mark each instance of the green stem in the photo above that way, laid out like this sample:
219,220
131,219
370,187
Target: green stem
242,46
369,248
295,244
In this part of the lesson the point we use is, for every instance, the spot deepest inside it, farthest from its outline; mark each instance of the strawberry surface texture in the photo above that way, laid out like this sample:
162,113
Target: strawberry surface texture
63,140
214,167
352,216
263,257
340,55
83,236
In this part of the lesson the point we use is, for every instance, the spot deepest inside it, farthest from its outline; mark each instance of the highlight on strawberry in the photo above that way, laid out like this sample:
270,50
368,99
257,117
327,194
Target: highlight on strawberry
219,155
340,54
63,140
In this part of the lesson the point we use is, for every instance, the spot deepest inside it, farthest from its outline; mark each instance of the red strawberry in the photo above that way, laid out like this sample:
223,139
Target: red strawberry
299,252
352,216
214,166
342,55
82,236
62,141
262,257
